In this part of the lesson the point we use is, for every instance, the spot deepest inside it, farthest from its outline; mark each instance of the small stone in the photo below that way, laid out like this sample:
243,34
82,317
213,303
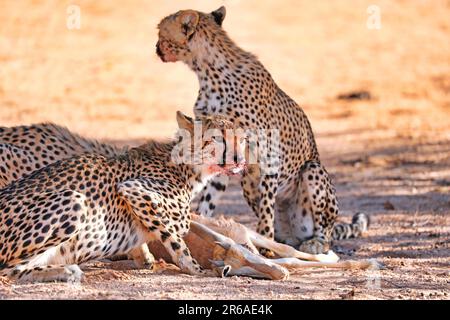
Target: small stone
388,205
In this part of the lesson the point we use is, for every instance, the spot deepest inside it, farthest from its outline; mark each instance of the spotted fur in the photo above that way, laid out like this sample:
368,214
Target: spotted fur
233,83
24,149
92,206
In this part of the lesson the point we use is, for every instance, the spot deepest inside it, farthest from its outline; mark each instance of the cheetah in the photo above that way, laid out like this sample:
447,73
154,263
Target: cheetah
24,149
233,83
91,206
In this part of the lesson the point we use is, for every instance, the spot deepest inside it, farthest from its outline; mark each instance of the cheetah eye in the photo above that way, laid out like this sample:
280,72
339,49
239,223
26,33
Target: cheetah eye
218,139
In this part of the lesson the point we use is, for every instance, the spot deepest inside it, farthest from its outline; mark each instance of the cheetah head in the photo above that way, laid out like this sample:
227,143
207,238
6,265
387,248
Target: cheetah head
220,146
178,31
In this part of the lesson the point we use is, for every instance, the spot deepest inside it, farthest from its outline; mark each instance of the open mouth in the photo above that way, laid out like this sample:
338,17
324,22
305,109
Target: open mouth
168,58
234,169
159,52
165,57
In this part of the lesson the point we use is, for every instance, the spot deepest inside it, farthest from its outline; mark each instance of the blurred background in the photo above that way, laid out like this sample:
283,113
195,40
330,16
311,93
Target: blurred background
104,79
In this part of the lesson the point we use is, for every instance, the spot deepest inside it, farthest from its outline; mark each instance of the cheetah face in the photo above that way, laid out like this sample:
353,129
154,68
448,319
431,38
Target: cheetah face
224,150
177,31
174,35
221,145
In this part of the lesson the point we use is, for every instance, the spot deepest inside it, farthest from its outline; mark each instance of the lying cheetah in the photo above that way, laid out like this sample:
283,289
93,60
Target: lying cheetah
24,149
91,206
233,83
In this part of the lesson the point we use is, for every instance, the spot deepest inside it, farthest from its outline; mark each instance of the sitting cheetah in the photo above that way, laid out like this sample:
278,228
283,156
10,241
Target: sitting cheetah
233,83
91,206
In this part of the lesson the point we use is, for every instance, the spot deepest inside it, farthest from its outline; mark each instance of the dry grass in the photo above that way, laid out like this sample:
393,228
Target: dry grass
105,81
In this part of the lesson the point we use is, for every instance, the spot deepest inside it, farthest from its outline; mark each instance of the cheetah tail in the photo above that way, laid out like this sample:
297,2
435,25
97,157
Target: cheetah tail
360,224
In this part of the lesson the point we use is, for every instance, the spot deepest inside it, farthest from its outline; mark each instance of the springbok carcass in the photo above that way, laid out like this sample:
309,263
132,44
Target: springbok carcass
232,249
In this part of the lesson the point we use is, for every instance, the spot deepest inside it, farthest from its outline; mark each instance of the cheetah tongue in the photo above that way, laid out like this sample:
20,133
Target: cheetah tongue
169,57
236,170
229,171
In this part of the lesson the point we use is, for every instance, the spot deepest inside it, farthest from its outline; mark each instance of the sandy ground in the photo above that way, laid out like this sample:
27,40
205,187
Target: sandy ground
389,156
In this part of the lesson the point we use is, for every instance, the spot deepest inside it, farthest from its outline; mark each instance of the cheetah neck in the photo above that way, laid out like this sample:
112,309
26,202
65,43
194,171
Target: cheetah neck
200,178
154,156
225,73
215,52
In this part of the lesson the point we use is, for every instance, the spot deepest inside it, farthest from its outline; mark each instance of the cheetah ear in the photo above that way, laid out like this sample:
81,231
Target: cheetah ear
185,122
189,20
219,15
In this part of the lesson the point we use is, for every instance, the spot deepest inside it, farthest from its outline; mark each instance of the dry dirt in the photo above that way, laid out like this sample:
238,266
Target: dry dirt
389,156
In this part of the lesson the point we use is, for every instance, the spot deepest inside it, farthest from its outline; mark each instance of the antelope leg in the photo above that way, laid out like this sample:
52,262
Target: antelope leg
237,256
293,264
286,251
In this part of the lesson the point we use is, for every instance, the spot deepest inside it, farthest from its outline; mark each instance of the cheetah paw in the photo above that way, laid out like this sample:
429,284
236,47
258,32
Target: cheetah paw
269,254
315,246
73,274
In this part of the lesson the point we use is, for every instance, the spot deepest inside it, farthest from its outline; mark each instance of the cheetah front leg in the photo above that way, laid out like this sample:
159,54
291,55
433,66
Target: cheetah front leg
142,257
148,207
266,211
260,193
313,218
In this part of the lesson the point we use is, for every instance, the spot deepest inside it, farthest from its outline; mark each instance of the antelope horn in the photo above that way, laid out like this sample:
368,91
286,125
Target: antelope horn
217,263
244,262
223,271
249,272
205,233
225,245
